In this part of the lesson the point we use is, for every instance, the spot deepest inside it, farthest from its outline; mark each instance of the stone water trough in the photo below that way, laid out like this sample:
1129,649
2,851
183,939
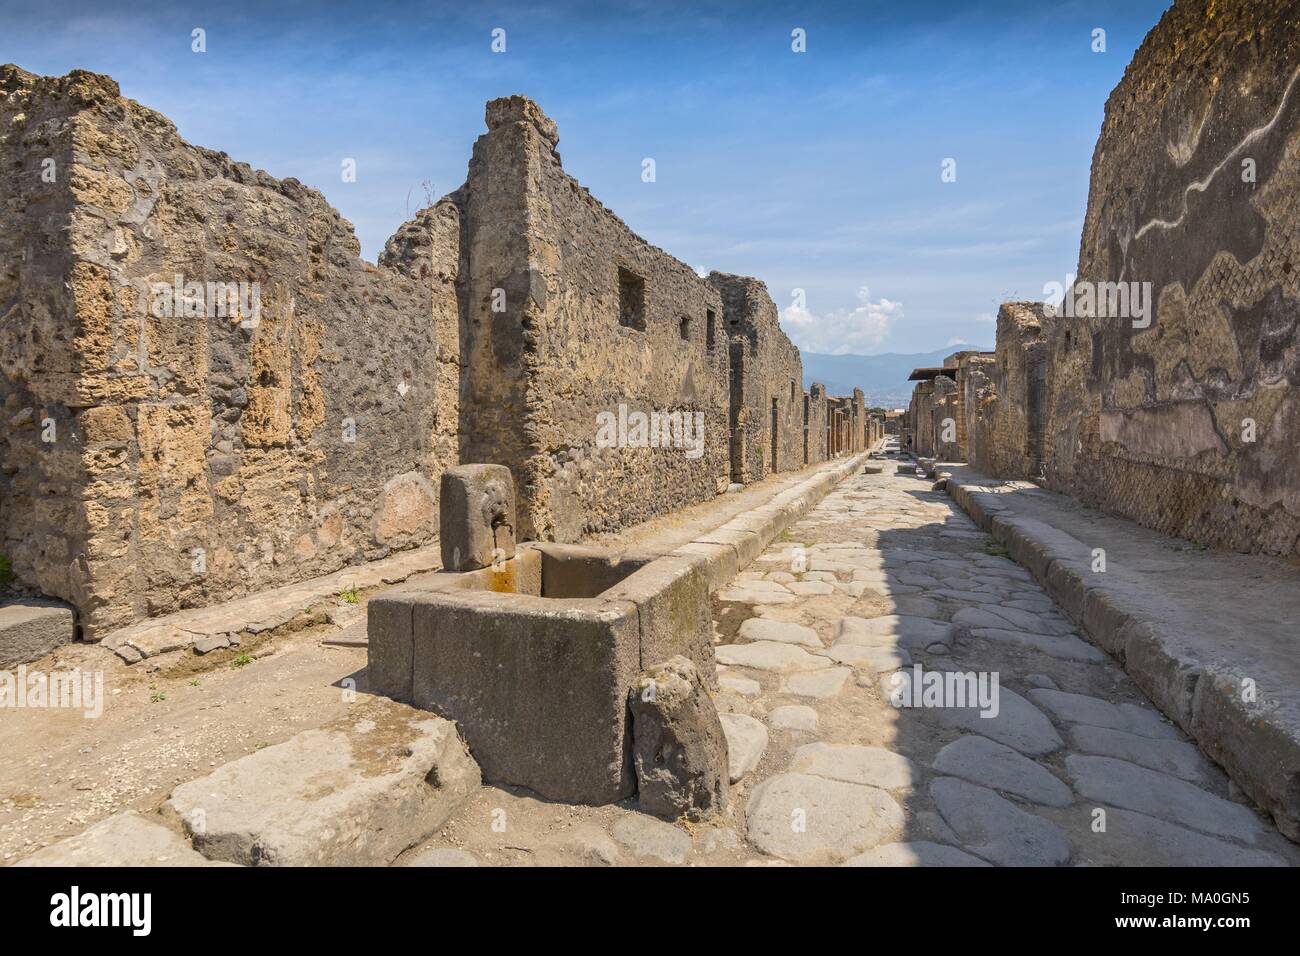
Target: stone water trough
534,655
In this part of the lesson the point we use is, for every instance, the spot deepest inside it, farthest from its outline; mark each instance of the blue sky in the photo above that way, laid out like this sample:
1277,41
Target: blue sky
818,171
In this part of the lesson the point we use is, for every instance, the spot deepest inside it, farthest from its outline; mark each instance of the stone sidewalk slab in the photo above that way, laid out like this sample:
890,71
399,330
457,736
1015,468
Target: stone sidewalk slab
1209,636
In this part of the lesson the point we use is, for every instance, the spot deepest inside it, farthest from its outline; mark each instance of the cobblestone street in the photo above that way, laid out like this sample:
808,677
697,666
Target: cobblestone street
1075,768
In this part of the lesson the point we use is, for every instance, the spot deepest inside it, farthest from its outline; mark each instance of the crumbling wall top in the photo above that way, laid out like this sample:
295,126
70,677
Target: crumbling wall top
520,109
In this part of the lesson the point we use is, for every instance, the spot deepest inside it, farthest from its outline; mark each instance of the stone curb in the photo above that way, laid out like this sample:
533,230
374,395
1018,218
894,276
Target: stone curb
731,546
1258,743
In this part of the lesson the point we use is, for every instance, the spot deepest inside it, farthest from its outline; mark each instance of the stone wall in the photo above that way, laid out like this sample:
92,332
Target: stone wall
1190,424
592,321
202,442
766,381
207,392
816,428
978,370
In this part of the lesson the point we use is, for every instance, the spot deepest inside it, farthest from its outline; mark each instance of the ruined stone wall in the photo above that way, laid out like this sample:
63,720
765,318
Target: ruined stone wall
204,449
1196,190
563,347
921,417
816,423
1020,374
979,408
768,371
947,412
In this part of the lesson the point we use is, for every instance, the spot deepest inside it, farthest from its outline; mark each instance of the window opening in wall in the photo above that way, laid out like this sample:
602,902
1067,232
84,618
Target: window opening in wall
709,319
685,327
631,300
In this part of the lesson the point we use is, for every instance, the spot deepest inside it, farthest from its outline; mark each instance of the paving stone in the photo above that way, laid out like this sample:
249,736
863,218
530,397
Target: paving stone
820,684
1064,647
444,857
873,766
1029,605
1081,709
740,685
746,741
793,717
805,818
590,844
647,837
971,597
760,629
992,827
31,628
1018,724
1136,839
998,767
356,792
1126,785
892,630
1041,680
124,839
915,853
770,656
876,659
810,588
747,595
781,577
1176,757
912,605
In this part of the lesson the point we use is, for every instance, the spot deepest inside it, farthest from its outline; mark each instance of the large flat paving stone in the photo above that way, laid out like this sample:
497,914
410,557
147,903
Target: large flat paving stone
1066,647
822,684
746,741
893,630
1136,839
1082,709
994,828
998,767
915,853
356,792
649,838
793,717
1018,724
124,839
750,595
875,659
1126,785
805,818
873,766
1177,757
31,628
769,656
783,632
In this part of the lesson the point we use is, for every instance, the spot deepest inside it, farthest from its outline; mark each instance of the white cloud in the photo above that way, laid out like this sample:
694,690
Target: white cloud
853,331
988,317
957,340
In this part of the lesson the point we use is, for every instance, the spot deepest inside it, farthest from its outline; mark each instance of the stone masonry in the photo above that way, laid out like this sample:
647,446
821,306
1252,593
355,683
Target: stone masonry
207,392
1185,418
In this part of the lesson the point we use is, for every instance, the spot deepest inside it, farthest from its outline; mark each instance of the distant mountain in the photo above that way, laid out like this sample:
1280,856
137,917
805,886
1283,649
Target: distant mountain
882,378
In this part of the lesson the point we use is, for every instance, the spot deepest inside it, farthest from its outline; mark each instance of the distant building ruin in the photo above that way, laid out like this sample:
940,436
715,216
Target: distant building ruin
1184,417
161,458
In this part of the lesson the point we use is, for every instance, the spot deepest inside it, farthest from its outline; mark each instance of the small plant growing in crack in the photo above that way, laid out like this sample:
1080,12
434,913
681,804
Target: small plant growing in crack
350,595
996,550
240,660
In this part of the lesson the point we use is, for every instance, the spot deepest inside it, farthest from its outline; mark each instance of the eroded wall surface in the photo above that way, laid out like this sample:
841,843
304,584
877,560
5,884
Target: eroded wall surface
570,342
207,442
1190,424
767,376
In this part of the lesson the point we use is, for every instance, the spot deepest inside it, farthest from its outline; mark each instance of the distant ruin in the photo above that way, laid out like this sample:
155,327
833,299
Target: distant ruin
158,457
1186,417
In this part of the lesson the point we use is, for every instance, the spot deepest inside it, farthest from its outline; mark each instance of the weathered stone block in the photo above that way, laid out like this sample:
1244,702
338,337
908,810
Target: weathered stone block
30,629
680,750
124,839
477,516
356,792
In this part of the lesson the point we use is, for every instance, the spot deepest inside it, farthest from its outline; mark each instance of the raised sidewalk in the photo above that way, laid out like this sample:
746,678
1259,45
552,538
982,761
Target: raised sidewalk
1212,637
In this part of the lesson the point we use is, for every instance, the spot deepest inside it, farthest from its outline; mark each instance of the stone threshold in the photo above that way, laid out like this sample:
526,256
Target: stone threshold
728,545
1209,636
